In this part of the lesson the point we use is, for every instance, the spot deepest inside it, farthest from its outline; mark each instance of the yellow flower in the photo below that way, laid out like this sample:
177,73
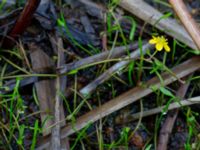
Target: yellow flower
160,42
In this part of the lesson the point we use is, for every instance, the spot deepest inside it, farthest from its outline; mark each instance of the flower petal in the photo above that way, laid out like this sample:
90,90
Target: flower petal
153,41
167,48
163,39
159,46
160,43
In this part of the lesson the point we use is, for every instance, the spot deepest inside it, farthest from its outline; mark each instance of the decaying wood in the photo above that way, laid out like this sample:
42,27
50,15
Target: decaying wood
22,22
87,90
150,15
45,89
10,85
12,14
113,53
25,17
167,127
87,24
187,20
127,98
55,132
91,4
61,82
175,105
94,9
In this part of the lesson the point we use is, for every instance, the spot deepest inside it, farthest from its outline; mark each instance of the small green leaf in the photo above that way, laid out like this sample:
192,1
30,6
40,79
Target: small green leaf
73,72
148,147
158,63
191,119
21,135
153,88
35,134
196,52
166,92
127,129
130,72
60,22
133,28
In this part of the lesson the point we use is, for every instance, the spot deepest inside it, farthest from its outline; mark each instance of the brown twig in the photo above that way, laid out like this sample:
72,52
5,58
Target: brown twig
41,62
104,35
25,18
87,90
22,22
113,53
175,105
61,81
187,20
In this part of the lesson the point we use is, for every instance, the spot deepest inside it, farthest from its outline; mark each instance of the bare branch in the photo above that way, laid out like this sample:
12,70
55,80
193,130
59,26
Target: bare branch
187,20
87,90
